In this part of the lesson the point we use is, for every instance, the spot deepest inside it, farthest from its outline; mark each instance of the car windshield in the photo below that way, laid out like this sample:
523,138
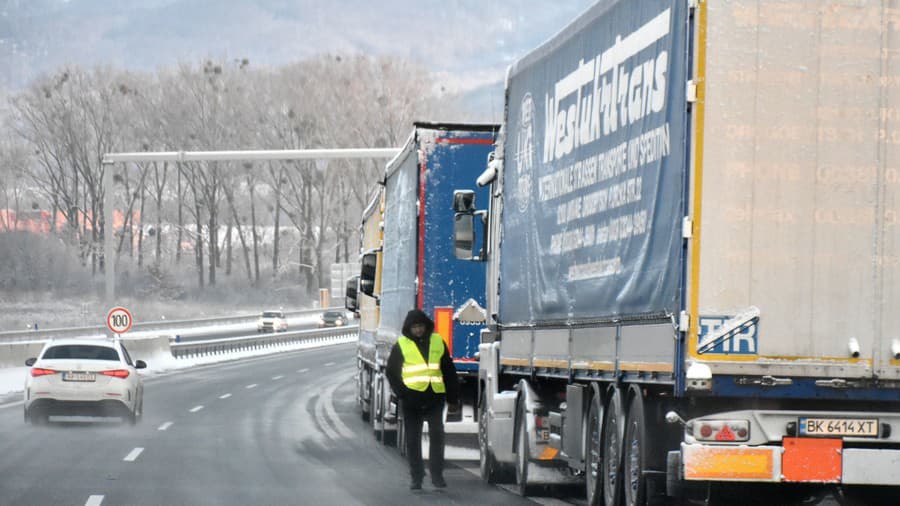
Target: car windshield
271,314
334,314
82,351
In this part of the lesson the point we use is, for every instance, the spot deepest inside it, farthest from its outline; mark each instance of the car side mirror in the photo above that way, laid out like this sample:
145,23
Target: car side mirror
464,201
140,364
350,294
30,362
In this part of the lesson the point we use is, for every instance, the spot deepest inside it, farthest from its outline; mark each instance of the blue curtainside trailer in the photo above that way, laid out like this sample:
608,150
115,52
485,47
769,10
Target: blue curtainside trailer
413,265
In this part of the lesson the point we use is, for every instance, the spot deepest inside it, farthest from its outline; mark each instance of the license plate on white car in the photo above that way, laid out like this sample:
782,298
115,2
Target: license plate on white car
79,376
839,427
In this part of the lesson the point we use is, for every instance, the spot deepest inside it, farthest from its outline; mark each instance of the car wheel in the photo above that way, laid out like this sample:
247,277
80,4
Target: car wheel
38,418
139,412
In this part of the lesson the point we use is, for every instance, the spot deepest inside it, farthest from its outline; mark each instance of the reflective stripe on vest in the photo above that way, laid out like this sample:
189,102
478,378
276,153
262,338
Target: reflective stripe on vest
417,374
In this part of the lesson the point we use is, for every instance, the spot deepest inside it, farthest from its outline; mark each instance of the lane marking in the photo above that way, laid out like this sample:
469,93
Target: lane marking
196,409
131,457
329,364
277,377
251,385
11,404
94,500
301,371
224,396
165,426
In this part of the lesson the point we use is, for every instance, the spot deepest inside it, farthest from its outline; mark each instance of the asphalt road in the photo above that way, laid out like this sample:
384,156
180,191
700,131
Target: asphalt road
275,430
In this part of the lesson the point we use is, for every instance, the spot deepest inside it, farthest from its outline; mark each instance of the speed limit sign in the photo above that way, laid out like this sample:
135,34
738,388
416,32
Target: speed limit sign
119,320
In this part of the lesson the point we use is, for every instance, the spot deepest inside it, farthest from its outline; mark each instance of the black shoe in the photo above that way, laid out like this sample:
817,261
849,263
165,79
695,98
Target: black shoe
438,482
415,485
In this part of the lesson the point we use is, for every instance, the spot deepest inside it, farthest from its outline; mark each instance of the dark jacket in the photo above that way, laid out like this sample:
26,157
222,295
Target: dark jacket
394,370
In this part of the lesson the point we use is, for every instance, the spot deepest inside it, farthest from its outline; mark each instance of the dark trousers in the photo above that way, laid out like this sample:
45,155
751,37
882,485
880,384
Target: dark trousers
413,416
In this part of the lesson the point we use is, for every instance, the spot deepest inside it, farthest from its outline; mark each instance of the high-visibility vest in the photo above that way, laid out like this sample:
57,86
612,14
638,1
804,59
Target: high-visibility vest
418,374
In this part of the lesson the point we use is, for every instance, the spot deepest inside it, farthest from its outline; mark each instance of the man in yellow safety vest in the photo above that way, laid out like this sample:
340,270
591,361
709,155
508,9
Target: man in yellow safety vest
422,375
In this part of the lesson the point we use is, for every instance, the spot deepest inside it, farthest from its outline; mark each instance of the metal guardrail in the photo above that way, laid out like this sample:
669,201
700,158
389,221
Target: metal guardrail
249,343
42,335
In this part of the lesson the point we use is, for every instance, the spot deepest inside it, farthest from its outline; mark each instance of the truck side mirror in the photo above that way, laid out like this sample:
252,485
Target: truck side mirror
464,235
350,301
464,201
367,275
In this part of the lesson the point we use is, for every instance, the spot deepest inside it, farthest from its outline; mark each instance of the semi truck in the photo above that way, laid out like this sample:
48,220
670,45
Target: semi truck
692,253
407,262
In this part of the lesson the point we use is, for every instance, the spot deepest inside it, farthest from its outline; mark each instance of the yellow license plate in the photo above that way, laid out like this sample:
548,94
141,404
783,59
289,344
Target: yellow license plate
839,427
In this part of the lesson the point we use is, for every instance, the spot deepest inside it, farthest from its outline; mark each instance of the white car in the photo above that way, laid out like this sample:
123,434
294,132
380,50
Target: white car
84,377
272,321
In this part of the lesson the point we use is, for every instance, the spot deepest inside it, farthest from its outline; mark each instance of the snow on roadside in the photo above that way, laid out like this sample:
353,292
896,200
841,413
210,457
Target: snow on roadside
12,379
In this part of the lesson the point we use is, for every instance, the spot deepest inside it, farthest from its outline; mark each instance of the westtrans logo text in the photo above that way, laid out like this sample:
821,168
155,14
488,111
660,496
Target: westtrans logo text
619,92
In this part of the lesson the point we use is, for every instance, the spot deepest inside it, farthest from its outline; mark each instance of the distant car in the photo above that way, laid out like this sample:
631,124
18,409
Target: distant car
84,377
333,319
272,321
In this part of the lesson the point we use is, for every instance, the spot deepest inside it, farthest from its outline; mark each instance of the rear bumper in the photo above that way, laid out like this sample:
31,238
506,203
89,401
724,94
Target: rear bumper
800,460
54,407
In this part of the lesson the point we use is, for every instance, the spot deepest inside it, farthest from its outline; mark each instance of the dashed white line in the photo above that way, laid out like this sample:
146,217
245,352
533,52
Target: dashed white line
329,364
94,500
196,409
165,426
277,377
301,371
131,457
252,385
224,396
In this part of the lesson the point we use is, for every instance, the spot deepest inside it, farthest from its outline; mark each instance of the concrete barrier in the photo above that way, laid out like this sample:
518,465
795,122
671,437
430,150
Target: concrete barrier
15,354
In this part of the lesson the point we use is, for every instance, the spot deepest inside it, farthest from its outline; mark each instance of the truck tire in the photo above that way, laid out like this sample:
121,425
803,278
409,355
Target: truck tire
611,467
491,471
362,387
593,452
635,454
523,453
373,407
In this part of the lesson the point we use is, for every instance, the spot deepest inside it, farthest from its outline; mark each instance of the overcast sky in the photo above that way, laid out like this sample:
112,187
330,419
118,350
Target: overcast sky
467,43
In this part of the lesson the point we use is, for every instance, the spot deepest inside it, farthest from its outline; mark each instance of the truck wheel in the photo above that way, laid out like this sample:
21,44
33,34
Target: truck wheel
611,467
365,408
491,471
373,408
522,454
593,454
635,454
